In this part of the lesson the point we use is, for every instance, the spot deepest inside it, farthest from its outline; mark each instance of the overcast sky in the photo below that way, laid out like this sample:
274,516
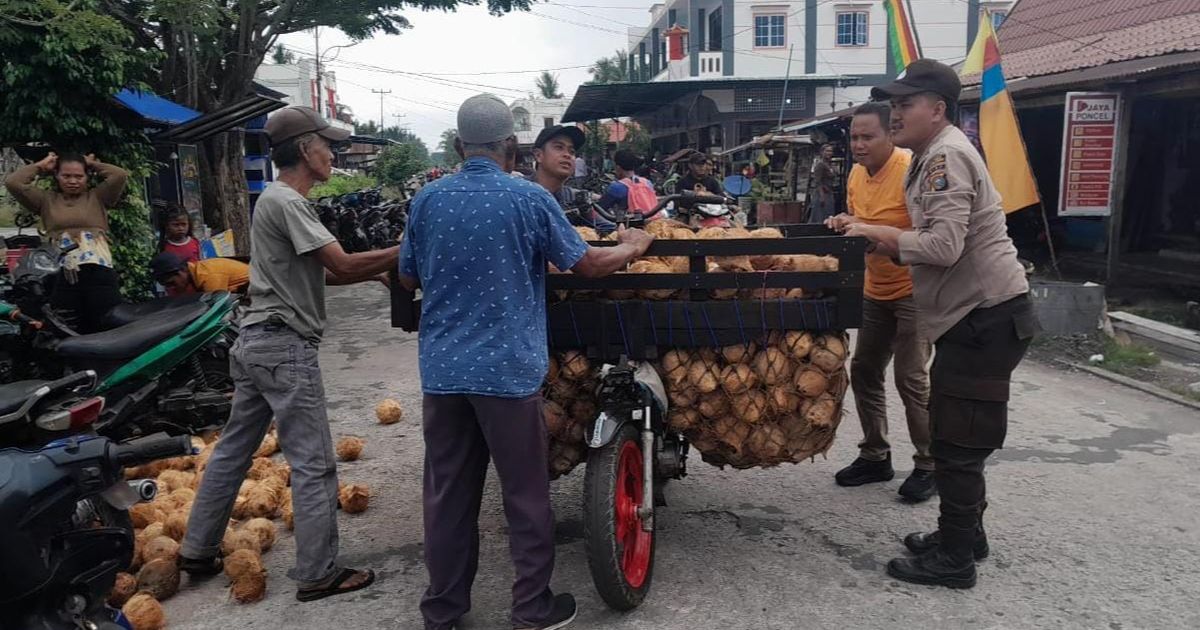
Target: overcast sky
456,49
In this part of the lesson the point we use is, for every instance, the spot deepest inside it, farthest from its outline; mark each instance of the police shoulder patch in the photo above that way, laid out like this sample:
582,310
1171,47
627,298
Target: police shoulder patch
934,178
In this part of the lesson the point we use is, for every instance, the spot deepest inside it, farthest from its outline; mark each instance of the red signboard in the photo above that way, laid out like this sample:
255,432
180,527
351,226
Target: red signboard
1089,151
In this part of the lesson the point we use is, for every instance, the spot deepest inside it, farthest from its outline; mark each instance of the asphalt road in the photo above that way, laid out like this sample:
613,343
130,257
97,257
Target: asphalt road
1093,521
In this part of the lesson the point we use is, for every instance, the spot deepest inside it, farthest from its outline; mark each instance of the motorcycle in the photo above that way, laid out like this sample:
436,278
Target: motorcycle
65,529
363,220
686,207
36,412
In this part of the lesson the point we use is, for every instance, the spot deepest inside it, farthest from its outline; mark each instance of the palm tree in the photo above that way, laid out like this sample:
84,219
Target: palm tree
282,56
446,147
547,85
613,69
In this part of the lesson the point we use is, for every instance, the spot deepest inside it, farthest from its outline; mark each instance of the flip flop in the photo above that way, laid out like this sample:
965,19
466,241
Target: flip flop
335,587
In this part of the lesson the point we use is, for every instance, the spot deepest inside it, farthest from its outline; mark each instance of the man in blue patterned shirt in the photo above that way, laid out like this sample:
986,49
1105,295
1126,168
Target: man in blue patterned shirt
477,245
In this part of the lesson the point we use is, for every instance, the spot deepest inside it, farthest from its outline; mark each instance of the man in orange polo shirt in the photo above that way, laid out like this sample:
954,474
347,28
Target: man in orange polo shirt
875,195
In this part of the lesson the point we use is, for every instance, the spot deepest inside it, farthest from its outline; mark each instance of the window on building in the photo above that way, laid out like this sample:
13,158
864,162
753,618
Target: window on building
852,28
770,31
521,119
714,30
547,122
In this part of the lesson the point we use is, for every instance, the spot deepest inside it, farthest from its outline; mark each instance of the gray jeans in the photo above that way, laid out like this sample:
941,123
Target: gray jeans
277,377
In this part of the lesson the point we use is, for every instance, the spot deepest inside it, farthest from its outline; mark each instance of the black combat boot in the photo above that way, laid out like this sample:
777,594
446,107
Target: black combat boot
923,542
950,564
862,471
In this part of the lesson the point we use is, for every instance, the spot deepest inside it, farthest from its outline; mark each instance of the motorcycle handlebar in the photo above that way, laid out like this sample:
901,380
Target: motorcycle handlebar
689,198
147,449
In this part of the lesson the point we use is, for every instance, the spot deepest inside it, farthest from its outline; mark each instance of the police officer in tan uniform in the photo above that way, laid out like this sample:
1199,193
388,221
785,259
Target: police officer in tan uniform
973,300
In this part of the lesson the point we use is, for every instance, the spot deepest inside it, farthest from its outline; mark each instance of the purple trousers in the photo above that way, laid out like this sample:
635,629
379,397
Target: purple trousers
461,433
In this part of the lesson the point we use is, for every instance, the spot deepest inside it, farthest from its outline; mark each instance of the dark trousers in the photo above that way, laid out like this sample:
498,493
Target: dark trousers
968,404
88,300
461,433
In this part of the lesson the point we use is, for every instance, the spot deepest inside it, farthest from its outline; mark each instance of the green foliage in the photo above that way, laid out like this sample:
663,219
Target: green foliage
1125,358
132,241
547,85
395,132
281,56
398,163
446,147
342,184
637,139
596,136
613,69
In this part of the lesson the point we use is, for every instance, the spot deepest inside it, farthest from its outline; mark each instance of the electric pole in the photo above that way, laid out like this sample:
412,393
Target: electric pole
317,46
381,93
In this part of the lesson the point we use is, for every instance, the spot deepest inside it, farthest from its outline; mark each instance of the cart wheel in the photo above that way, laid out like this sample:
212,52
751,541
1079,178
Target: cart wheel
619,552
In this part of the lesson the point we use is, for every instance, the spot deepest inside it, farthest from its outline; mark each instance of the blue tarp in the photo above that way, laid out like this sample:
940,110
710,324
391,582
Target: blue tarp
156,108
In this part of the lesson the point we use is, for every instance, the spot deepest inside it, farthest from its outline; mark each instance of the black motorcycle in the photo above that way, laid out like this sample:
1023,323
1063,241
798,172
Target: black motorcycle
65,531
35,412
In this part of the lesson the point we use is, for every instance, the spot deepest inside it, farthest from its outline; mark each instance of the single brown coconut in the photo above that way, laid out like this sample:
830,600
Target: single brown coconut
829,263
711,233
241,562
181,496
260,468
161,547
713,405
798,344
552,370
349,449
704,375
151,531
674,365
238,539
730,432
388,411
268,447
176,526
186,462
835,344
143,514
587,233
801,262
554,417
720,294
583,410
826,360
784,400
159,578
682,419
577,433
124,588
262,503
264,530
810,383
354,498
144,612
286,513
764,261
750,407
171,480
677,264
773,367
683,234
738,353
249,588
822,412
574,365
767,443
794,294
838,383
682,396
738,378
652,266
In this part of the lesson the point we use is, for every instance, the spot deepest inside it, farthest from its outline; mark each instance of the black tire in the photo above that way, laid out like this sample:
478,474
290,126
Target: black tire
606,553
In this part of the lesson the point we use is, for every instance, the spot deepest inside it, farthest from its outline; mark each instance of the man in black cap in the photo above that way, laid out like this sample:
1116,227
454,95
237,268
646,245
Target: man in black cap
554,152
699,178
274,363
973,300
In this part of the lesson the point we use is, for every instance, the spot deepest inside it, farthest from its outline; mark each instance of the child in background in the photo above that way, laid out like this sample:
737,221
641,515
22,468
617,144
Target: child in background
177,235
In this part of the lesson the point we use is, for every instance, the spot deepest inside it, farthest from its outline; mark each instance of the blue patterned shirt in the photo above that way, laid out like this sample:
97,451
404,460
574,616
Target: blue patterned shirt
478,242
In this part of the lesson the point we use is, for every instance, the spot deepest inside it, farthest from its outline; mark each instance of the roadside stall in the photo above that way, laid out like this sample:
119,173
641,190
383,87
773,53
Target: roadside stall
778,166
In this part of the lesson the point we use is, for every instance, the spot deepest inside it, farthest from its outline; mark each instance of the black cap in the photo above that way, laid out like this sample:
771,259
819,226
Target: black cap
699,158
165,264
922,75
570,131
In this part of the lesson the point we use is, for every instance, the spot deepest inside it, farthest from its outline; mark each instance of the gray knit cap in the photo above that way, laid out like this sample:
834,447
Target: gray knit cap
484,118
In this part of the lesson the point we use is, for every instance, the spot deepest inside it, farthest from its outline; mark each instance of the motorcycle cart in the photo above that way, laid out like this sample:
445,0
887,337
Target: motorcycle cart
632,452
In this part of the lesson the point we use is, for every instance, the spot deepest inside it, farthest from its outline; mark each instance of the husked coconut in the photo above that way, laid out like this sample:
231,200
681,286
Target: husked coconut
772,366
262,502
286,513
767,442
143,514
159,578
810,382
704,375
784,400
242,562
574,365
181,496
822,412
268,447
144,612
652,266
739,353
354,498
554,417
171,480
765,261
720,294
738,378
826,360
587,233
239,539
349,449
124,588
264,530
552,369
151,531
798,344
388,411
675,366
249,588
729,431
713,405
176,526
682,396
161,547
682,419
260,468
750,407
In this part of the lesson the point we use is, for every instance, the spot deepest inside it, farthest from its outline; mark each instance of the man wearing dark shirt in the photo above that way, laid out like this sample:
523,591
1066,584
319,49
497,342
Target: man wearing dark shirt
699,178
554,152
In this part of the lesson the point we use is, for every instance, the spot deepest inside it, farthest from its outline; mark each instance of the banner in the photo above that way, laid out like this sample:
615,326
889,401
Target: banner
1089,151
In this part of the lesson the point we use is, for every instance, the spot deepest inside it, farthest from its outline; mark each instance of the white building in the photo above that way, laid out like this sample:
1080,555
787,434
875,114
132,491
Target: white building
739,39
298,81
531,115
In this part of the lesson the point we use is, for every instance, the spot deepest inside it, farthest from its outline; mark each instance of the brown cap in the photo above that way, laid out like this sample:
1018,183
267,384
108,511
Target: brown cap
922,75
295,121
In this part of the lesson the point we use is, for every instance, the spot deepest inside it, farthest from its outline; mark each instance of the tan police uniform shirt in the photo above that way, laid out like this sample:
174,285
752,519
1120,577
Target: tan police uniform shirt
959,250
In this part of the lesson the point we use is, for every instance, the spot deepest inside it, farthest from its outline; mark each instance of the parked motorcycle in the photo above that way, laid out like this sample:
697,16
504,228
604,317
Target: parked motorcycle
36,412
64,528
363,220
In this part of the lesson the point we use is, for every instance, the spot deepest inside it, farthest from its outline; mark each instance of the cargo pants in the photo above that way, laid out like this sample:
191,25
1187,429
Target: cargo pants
276,375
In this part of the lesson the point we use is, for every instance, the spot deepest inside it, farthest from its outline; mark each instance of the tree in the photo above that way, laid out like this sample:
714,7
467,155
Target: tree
596,135
613,69
282,56
547,85
637,139
62,65
396,164
446,147
212,48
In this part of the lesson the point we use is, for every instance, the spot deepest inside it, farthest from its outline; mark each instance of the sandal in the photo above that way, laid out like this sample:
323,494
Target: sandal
335,585
201,567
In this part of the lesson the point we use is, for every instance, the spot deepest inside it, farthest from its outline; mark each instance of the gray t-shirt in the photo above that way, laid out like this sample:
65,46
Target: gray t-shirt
284,281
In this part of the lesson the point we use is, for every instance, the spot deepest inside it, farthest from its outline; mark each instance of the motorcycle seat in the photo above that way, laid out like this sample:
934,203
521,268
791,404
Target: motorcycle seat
130,340
13,395
123,314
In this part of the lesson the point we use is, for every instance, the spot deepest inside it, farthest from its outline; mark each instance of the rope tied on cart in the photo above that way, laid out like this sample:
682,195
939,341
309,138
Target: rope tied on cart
691,333
737,310
653,328
708,323
621,325
574,324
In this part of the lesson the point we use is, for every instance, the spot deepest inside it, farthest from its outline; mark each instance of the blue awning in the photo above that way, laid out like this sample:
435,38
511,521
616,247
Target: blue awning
156,109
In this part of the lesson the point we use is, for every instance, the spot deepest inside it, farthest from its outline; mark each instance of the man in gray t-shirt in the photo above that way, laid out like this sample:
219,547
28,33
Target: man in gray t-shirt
274,364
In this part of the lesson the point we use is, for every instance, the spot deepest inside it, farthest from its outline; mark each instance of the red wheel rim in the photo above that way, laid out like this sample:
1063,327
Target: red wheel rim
633,540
